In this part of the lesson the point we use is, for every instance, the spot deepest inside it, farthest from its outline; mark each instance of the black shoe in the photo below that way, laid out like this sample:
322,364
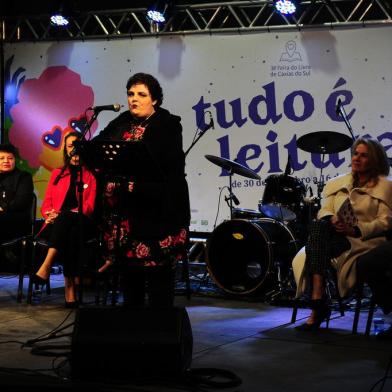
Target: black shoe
386,334
322,313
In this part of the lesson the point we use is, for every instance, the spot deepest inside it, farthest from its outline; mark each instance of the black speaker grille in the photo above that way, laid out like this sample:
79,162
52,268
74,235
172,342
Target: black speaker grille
117,342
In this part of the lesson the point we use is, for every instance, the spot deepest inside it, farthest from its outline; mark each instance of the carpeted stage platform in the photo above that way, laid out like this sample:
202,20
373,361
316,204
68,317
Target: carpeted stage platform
234,340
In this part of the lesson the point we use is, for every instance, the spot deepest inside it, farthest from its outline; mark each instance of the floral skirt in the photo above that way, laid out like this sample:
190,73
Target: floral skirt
119,243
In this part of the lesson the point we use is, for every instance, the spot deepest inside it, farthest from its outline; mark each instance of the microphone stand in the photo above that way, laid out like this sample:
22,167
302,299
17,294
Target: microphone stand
80,189
343,114
88,125
201,133
229,200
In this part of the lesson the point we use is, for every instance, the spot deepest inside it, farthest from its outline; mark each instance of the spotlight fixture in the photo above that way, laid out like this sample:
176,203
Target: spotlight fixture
285,7
157,11
59,20
60,17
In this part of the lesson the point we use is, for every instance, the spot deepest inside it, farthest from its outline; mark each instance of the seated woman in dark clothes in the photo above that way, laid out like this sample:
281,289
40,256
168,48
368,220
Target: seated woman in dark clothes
16,196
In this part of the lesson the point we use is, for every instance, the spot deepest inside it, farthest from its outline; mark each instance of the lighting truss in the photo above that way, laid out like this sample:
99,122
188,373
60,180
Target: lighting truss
218,17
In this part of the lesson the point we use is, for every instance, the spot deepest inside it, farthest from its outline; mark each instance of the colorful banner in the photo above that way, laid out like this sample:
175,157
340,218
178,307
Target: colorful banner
263,91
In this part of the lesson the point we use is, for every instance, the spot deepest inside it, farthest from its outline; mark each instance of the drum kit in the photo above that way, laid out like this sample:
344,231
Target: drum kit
252,252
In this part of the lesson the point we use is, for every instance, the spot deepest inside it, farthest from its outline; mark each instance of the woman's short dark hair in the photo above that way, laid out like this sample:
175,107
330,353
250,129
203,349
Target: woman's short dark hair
152,84
65,155
378,160
10,148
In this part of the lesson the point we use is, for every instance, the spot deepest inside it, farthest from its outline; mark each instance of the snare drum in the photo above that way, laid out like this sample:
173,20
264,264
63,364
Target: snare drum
245,213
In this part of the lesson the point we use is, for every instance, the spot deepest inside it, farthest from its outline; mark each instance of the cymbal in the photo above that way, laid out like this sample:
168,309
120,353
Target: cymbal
233,167
324,142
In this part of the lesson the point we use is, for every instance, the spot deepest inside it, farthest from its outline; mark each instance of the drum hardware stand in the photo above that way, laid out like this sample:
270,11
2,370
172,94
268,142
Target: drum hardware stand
285,291
229,199
232,167
194,253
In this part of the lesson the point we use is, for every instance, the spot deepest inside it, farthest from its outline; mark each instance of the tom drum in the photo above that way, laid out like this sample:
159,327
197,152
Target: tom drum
282,197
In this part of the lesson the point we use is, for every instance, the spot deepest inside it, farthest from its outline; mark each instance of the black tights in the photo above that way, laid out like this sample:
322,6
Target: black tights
63,235
323,244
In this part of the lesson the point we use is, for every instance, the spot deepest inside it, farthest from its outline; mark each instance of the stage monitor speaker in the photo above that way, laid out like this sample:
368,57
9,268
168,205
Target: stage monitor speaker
119,342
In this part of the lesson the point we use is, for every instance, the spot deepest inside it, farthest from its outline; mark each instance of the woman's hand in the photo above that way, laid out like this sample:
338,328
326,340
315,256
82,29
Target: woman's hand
51,216
341,227
105,266
130,186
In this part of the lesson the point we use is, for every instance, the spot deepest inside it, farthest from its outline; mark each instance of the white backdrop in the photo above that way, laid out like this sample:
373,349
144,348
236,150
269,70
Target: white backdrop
263,90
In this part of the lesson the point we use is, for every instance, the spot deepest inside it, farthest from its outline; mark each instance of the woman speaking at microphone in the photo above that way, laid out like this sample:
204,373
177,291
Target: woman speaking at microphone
149,208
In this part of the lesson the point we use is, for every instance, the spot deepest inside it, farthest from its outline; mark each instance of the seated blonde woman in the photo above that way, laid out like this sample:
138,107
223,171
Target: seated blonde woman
332,238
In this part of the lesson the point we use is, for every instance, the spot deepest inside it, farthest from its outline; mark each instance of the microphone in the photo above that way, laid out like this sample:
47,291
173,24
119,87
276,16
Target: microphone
339,104
288,166
211,124
115,108
233,197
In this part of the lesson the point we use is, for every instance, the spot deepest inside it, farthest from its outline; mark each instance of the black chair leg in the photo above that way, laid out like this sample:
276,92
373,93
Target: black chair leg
32,285
357,310
185,272
295,311
357,313
370,317
31,273
341,306
19,296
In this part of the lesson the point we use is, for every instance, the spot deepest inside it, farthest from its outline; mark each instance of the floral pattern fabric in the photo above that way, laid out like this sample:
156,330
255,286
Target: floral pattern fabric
117,229
135,134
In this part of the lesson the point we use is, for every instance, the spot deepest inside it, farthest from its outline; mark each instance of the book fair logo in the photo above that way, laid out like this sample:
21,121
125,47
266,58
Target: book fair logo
290,63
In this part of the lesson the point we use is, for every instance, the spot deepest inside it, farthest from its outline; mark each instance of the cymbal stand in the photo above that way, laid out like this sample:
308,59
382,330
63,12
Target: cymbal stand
320,182
229,199
341,111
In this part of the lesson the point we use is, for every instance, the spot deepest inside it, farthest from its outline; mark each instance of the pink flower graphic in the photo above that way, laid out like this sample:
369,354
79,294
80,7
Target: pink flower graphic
47,105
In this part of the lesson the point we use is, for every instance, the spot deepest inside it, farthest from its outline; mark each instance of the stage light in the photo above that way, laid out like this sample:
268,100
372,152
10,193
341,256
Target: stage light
60,17
285,7
59,20
157,11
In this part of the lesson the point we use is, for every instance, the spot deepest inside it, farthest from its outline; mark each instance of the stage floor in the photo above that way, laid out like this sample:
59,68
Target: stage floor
252,340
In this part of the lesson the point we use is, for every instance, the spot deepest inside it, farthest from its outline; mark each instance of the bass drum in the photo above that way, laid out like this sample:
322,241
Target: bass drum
241,254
